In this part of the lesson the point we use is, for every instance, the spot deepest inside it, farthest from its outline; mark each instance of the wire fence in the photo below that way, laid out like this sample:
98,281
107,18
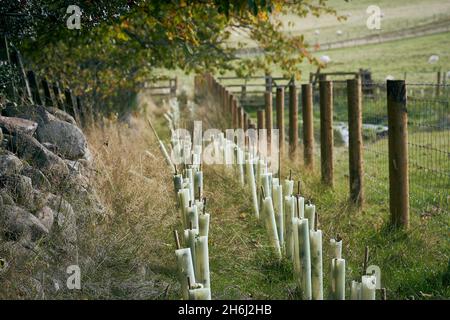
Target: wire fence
428,140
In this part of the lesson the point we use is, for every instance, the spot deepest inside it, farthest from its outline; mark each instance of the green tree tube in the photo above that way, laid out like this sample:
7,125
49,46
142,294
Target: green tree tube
310,214
183,198
305,258
271,226
368,287
339,278
177,182
277,192
316,264
252,184
300,207
297,268
203,224
336,253
190,176
185,268
240,165
192,217
265,182
336,248
355,291
288,187
192,235
198,182
289,215
202,261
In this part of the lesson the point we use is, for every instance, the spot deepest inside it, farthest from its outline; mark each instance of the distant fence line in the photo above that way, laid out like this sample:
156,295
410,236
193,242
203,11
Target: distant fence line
397,135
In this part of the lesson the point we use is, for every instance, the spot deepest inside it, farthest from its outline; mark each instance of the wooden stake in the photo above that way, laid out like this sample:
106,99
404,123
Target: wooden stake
366,260
177,239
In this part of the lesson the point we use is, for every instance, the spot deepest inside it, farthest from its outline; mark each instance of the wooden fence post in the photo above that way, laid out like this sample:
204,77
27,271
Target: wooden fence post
293,119
57,94
354,99
47,95
234,113
261,122
280,116
34,87
245,121
308,125
16,59
240,118
398,153
71,106
243,92
326,131
5,56
438,87
269,116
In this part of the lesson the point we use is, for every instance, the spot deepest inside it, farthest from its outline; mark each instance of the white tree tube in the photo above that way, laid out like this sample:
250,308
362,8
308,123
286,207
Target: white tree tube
192,235
240,164
200,294
368,287
203,224
192,217
190,176
260,170
339,278
185,268
355,290
289,214
183,198
316,264
305,258
300,207
336,248
271,226
198,182
277,192
275,182
265,182
288,187
296,257
336,253
252,184
202,261
177,182
310,214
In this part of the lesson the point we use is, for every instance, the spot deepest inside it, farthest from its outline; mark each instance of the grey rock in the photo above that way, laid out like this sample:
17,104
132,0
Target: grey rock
6,198
61,115
30,150
12,125
64,217
19,187
51,147
38,179
9,164
69,139
18,223
46,217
